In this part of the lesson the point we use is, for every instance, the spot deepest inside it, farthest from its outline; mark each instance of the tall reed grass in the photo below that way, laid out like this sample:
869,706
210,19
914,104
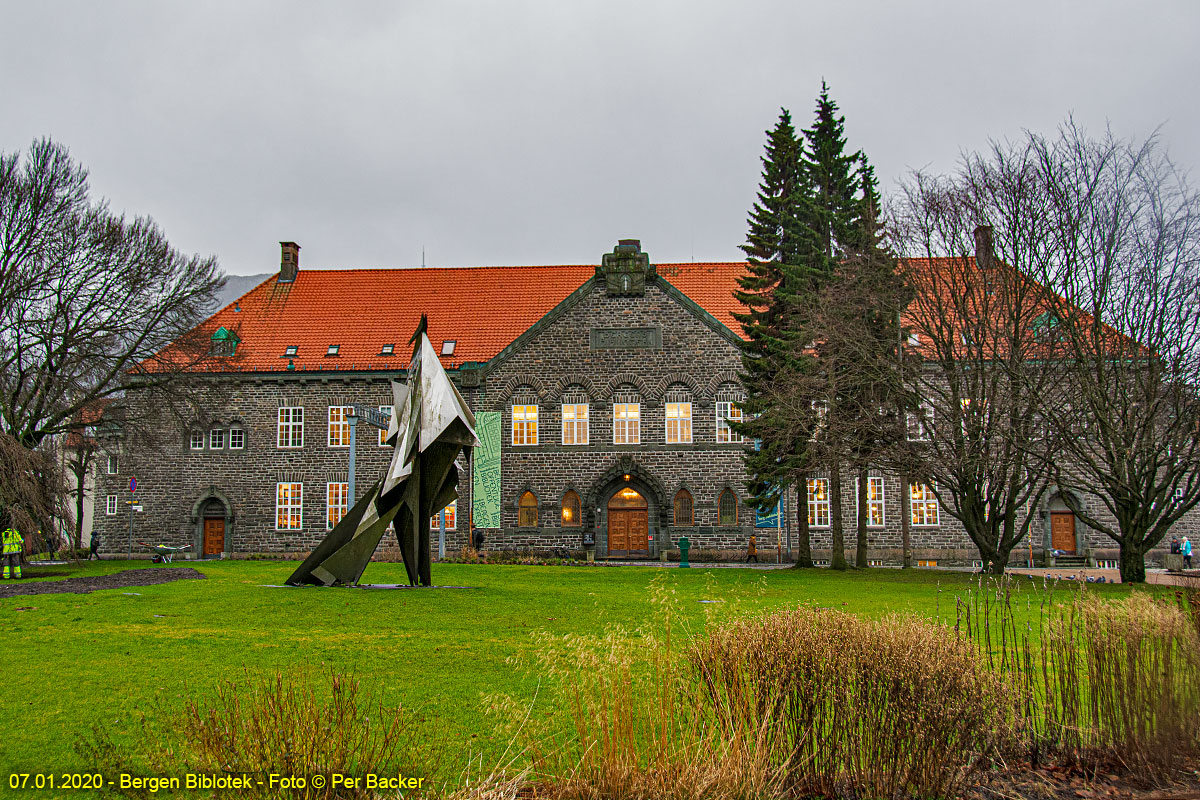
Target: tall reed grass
1098,682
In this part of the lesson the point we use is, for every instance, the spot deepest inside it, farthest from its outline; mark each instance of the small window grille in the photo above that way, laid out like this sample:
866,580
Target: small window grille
333,350
197,440
237,438
388,349
216,439
112,465
926,563
683,509
290,350
110,505
527,516
727,508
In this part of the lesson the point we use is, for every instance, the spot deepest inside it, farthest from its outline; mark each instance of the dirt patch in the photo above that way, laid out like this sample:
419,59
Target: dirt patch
117,580
1021,782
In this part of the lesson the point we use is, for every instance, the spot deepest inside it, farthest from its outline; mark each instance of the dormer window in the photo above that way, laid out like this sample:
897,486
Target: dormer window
224,342
290,351
448,347
333,350
387,350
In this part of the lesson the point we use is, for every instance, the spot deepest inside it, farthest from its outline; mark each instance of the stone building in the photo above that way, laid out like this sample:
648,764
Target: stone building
602,394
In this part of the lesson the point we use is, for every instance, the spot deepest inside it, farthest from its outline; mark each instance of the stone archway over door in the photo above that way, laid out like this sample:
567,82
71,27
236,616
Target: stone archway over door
628,523
212,520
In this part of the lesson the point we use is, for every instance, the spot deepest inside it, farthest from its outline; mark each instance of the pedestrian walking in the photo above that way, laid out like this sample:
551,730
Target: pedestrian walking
11,541
752,550
94,548
1186,549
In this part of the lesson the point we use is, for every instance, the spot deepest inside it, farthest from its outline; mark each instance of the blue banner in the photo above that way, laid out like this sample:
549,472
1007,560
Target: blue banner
768,518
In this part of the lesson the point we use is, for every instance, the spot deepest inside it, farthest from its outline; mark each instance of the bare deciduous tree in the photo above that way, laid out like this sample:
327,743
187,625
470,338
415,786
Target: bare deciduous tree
983,379
1124,302
89,300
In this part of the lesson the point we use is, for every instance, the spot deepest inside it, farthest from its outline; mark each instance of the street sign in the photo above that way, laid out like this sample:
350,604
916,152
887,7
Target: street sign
133,484
138,507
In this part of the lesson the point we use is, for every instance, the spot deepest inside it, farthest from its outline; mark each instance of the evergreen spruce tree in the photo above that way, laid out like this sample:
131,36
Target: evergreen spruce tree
779,239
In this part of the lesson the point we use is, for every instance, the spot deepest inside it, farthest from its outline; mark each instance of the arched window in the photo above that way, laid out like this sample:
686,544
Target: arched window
727,508
683,509
527,511
570,510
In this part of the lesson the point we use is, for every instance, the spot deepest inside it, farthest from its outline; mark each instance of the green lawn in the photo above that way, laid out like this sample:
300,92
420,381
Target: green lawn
74,660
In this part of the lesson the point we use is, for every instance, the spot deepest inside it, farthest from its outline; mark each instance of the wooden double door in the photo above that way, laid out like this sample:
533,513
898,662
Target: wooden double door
628,524
214,537
1062,531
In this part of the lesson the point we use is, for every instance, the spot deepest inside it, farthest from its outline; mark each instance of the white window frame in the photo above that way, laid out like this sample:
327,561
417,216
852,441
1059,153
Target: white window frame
238,435
728,411
342,505
816,505
630,418
290,420
576,424
927,502
293,503
451,512
683,433
339,422
389,411
878,503
197,440
216,439
923,420
111,466
526,424
110,505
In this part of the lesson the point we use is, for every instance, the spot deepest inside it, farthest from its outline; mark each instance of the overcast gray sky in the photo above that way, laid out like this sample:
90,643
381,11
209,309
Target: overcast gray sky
541,132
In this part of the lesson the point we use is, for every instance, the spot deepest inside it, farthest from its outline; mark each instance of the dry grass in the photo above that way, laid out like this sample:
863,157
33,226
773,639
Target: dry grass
293,725
1104,684
875,708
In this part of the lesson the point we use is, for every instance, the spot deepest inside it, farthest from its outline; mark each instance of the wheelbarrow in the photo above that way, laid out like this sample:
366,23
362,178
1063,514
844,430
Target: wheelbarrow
164,553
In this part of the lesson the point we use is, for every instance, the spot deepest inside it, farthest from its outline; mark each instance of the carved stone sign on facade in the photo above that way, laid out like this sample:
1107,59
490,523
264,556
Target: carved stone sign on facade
626,338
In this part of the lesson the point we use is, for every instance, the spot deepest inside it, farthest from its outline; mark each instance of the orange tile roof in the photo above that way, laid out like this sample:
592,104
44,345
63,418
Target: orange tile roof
482,308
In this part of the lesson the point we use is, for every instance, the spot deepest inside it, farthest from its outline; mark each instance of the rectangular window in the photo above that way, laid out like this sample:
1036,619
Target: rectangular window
451,512
875,501
339,425
524,425
112,465
110,505
197,440
679,423
924,505
337,496
289,506
216,439
237,438
291,427
387,411
818,503
728,412
627,420
575,423
920,423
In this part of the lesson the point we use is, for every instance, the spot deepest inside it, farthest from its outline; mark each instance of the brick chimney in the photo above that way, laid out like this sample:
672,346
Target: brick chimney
289,261
985,257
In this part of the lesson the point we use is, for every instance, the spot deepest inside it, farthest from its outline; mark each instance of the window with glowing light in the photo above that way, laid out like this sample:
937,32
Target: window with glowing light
818,502
570,510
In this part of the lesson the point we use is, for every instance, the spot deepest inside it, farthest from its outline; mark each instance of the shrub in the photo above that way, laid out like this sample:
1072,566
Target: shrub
878,708
288,724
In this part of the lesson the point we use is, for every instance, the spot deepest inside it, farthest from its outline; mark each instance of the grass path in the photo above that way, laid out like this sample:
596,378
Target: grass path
76,660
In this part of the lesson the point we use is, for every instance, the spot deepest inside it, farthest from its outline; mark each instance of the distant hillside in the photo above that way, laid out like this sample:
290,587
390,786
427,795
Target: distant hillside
238,285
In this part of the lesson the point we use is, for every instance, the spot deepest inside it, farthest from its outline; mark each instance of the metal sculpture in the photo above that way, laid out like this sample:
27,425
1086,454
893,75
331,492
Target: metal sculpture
430,427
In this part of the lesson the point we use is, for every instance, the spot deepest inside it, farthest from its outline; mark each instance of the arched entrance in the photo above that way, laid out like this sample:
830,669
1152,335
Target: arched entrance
212,516
628,523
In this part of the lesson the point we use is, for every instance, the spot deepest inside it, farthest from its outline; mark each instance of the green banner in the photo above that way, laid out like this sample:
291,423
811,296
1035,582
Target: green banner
485,478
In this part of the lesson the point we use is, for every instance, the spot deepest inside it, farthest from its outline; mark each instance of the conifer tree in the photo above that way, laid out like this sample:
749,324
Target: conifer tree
778,240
